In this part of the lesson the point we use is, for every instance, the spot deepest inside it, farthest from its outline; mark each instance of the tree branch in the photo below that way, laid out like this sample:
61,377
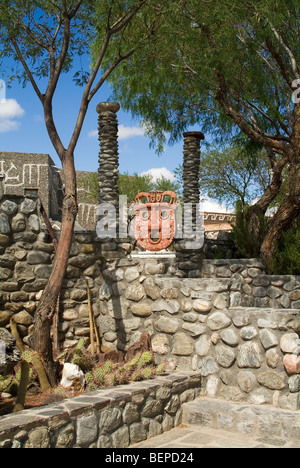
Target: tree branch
288,50
125,20
24,63
255,134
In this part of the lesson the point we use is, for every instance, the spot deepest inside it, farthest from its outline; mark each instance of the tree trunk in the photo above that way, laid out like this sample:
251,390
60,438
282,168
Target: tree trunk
281,222
257,212
46,308
290,208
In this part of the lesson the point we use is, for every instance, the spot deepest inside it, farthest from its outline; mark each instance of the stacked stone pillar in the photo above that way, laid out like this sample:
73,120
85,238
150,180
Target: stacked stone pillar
191,166
109,153
109,161
189,249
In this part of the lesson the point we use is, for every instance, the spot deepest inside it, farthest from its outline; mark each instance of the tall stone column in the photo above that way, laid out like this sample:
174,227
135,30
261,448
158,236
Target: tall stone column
189,249
109,152
191,166
109,157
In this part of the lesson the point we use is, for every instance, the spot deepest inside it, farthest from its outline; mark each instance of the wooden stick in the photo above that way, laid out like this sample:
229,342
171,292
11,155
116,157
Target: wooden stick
90,317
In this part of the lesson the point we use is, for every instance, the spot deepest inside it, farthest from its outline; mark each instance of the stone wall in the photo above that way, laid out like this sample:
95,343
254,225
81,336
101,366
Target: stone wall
256,289
21,171
196,324
27,253
112,418
201,323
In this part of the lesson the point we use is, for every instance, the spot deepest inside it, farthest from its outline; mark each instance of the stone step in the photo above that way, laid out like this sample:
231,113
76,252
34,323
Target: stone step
262,421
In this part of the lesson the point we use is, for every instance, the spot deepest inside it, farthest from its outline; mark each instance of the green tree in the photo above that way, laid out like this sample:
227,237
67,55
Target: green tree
44,40
129,185
230,66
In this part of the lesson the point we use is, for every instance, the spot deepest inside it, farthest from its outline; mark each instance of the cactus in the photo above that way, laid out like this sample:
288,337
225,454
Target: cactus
147,373
146,358
99,374
24,382
161,368
135,360
108,367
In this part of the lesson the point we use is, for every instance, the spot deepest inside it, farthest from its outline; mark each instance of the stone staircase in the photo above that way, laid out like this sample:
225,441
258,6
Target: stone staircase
239,418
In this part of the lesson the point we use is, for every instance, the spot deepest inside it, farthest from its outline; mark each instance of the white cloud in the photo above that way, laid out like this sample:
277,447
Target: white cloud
8,125
124,132
157,173
208,206
93,134
10,110
130,132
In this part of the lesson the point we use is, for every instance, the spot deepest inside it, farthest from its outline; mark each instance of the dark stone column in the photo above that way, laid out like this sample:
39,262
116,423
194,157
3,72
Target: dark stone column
109,153
189,249
191,166
109,169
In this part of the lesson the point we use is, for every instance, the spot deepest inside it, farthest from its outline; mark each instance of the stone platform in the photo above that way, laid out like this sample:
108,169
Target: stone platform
211,423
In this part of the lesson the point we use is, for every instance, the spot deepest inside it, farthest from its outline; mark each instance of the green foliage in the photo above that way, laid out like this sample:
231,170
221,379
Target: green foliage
172,86
129,185
233,173
80,357
141,367
287,257
245,241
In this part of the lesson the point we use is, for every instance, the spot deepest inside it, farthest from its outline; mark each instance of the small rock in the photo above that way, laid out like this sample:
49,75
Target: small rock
194,329
273,358
218,320
183,345
249,355
203,345
230,337
294,384
172,307
135,293
160,344
141,310
292,364
34,223
248,333
9,207
18,223
225,356
247,381
23,318
36,257
105,293
131,274
167,325
272,380
268,339
289,343
208,366
28,206
202,306
4,224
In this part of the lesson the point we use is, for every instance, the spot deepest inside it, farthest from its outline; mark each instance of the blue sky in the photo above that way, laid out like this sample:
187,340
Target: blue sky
25,130
22,129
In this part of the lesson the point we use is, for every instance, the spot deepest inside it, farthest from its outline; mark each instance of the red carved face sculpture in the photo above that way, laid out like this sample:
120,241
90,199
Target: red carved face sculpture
155,220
